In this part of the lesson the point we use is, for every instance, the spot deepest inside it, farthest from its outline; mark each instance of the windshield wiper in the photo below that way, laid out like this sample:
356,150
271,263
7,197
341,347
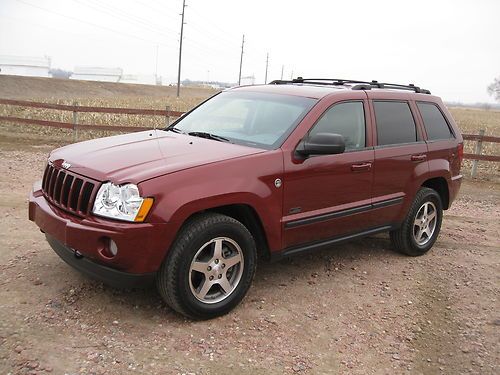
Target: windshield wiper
209,136
174,129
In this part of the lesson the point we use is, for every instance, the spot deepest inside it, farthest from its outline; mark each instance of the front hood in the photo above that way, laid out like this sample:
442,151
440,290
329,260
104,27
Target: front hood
140,156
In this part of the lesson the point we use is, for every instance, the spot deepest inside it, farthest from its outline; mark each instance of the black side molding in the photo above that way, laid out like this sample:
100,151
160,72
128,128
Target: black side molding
388,202
327,216
337,214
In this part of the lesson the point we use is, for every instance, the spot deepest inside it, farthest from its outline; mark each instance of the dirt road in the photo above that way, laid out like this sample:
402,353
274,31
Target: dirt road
356,309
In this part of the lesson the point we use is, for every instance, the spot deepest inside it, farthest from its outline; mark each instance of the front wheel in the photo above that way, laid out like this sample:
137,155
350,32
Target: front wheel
421,226
210,267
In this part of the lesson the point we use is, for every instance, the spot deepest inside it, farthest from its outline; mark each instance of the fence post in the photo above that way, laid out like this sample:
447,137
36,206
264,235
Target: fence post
479,148
167,118
75,123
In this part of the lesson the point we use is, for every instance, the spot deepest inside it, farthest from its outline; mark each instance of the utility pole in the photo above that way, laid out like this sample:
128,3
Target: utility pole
180,48
156,67
241,59
282,68
267,64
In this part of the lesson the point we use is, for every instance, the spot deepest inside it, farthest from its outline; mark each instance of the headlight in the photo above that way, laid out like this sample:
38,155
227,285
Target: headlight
121,202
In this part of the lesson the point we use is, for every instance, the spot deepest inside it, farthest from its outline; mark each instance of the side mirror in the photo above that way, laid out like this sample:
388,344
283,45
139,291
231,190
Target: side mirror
321,144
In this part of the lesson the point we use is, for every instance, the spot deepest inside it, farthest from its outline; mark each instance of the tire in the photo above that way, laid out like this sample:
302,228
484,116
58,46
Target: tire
421,226
209,268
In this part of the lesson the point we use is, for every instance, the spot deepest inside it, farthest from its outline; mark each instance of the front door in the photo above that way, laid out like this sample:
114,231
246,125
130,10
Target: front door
326,196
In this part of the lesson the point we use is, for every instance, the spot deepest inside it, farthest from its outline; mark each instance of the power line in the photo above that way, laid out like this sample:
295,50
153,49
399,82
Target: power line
124,16
222,33
91,23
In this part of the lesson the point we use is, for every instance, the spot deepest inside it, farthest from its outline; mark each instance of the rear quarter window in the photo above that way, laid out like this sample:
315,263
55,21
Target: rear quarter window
434,122
395,123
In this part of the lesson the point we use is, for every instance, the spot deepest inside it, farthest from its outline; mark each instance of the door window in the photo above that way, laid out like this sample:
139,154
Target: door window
395,123
346,119
434,122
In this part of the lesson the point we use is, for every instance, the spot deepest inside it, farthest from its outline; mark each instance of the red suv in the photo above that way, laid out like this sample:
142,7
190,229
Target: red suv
271,170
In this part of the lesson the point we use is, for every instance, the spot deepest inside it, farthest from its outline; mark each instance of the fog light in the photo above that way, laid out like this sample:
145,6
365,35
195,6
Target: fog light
108,248
113,249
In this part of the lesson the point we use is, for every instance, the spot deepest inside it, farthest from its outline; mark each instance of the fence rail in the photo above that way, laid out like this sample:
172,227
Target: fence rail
75,109
69,125
167,113
480,138
80,108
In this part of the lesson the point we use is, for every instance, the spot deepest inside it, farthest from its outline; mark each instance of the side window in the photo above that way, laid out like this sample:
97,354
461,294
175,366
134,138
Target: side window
434,122
395,123
346,119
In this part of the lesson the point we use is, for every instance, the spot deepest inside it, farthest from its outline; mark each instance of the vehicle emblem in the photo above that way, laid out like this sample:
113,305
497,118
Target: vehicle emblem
277,183
66,165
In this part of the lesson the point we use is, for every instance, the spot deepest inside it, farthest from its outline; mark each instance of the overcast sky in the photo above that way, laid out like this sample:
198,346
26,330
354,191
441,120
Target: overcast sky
449,47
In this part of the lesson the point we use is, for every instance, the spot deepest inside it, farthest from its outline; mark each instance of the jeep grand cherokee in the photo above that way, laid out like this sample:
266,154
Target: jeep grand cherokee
271,170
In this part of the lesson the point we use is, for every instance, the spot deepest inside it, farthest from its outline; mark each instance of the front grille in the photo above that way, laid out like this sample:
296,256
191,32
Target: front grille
67,190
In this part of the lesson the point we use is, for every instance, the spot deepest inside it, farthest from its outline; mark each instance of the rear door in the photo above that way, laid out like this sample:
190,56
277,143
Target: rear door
441,141
400,156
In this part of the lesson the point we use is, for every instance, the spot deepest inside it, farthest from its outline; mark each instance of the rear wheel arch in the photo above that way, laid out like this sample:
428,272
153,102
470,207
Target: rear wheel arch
440,185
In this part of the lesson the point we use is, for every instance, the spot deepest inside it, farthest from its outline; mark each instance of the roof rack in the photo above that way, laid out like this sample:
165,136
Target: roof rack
357,85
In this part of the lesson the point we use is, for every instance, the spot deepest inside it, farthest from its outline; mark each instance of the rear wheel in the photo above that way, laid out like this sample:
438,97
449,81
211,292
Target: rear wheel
209,268
422,224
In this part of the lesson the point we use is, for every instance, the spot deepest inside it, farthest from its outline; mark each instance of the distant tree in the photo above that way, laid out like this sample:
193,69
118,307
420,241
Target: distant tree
60,73
494,89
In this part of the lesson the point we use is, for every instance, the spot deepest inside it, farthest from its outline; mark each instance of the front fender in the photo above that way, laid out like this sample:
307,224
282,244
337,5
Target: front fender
248,180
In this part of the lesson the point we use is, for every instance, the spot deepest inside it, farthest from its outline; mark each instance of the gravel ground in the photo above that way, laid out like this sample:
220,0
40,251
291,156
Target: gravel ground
359,308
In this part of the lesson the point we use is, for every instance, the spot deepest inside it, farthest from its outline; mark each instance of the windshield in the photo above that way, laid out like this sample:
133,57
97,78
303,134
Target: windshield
248,118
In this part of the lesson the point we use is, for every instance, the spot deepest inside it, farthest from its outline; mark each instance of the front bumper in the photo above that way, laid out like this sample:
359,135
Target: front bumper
96,271
141,246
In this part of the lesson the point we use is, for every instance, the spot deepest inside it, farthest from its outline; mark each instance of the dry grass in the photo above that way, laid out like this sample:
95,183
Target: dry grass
470,121
174,104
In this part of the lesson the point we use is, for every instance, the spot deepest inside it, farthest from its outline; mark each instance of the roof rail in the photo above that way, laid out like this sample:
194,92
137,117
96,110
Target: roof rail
357,85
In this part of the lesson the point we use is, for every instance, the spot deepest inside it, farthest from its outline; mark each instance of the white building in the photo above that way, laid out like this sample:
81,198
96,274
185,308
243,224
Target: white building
143,79
25,66
248,80
90,73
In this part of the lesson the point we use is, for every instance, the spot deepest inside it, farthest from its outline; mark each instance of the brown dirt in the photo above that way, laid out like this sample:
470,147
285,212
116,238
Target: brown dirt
358,308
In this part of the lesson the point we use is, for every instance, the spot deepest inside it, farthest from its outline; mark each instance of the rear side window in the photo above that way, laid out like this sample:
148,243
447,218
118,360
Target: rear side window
434,122
346,119
395,123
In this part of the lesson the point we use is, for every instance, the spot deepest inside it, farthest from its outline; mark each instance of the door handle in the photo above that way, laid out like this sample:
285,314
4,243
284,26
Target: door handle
419,157
361,167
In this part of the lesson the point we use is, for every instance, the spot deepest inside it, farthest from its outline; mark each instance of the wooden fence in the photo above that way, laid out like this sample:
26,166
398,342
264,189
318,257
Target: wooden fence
167,113
75,126
477,155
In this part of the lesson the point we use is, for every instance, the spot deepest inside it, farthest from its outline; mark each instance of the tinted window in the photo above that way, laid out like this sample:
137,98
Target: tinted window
346,119
395,123
434,122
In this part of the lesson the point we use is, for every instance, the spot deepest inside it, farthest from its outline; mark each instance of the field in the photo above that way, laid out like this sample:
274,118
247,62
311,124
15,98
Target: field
358,308
59,91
